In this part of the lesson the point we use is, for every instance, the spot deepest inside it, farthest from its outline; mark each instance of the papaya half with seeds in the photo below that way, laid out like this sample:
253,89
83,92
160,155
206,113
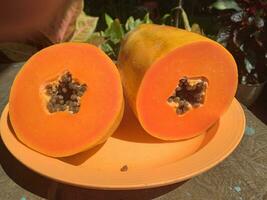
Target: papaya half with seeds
66,99
178,83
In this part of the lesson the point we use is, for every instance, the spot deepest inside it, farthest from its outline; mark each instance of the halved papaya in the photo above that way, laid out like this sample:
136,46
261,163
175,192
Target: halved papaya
178,83
66,99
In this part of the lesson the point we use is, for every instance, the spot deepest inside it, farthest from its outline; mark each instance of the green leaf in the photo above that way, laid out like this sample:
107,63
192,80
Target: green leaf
185,20
85,26
96,39
196,29
108,20
137,22
107,49
147,19
103,33
129,25
17,51
132,24
165,18
115,32
225,4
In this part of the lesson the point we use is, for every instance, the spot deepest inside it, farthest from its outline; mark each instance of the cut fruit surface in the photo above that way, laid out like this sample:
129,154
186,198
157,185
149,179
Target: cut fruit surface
178,83
66,98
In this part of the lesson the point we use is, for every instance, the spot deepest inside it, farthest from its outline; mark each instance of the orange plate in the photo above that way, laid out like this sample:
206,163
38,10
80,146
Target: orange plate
150,162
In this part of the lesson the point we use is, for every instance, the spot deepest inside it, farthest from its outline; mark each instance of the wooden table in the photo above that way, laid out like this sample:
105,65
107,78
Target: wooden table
242,176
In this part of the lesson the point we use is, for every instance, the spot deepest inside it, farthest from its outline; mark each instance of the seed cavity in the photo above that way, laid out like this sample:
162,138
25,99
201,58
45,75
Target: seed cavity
189,94
64,94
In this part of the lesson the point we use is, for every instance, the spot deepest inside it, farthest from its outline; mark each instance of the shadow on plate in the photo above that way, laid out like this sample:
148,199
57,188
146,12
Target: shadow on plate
131,130
11,127
80,158
210,133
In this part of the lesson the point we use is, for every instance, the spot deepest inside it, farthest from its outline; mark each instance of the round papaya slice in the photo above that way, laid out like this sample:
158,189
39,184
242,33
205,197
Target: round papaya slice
66,99
178,83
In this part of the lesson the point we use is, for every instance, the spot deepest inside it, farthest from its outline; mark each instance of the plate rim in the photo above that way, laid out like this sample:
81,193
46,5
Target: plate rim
161,182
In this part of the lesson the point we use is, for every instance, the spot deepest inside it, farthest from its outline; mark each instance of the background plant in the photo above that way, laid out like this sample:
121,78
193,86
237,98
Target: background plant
109,39
243,32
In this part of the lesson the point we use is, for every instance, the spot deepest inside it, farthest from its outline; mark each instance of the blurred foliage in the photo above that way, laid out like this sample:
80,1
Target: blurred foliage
197,11
110,38
85,26
243,31
226,4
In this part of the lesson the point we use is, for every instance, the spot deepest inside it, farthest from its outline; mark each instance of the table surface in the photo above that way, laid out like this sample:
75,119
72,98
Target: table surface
242,176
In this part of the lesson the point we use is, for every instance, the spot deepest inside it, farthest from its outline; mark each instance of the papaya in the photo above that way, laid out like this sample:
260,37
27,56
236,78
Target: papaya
178,83
66,99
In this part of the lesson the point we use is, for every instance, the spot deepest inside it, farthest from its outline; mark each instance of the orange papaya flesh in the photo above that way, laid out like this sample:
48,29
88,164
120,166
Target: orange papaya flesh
64,129
154,59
